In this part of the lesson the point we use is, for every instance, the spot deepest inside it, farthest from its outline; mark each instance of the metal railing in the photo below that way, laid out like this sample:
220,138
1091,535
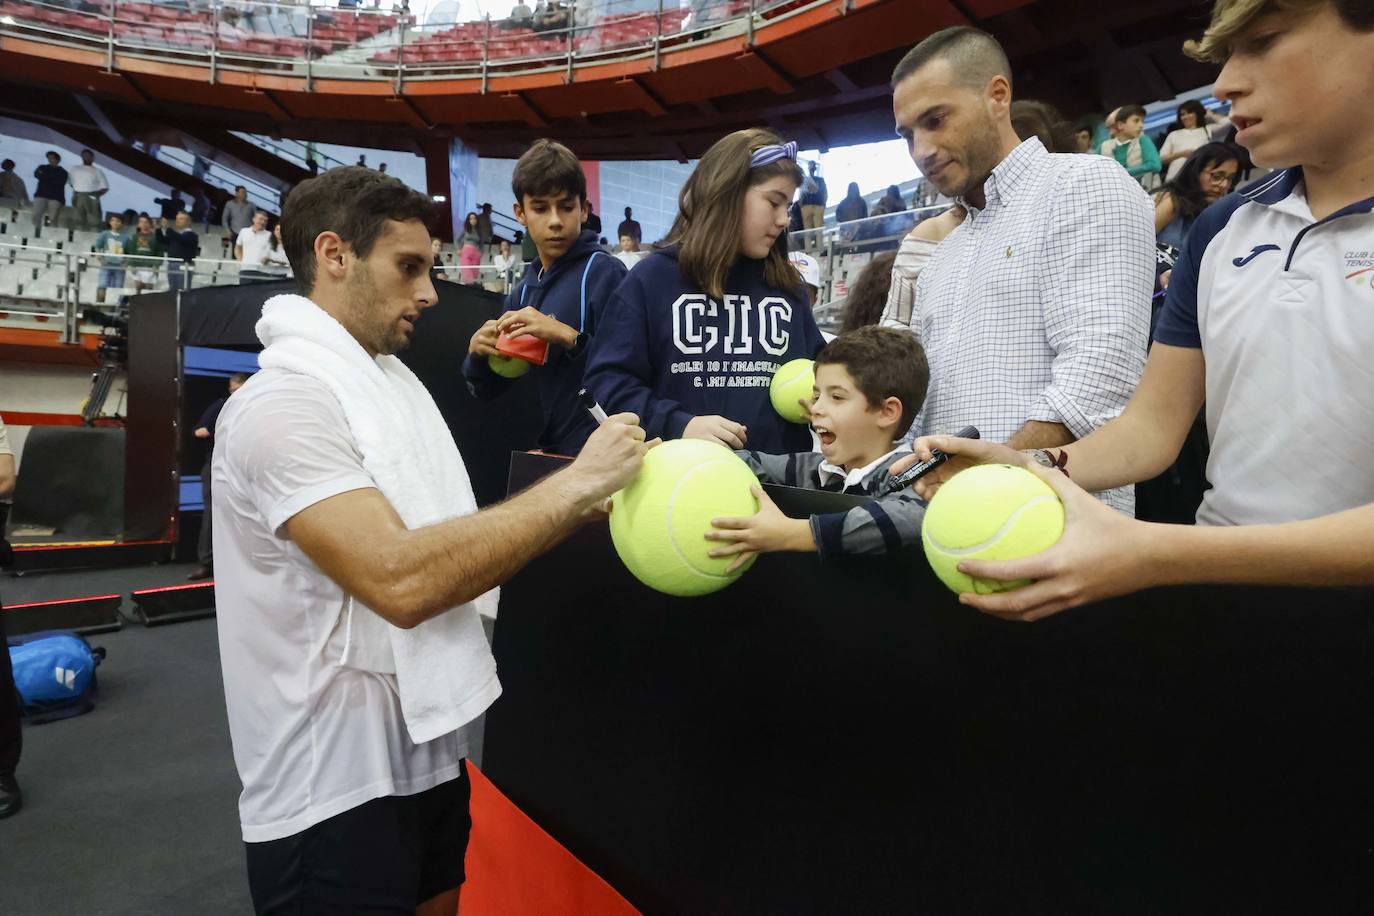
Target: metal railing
59,283
51,283
312,41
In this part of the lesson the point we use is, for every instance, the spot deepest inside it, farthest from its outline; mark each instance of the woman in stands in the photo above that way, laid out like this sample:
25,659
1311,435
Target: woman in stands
1192,133
693,335
1207,176
470,255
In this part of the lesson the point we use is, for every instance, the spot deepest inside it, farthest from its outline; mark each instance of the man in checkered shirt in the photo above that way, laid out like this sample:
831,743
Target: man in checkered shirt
1035,312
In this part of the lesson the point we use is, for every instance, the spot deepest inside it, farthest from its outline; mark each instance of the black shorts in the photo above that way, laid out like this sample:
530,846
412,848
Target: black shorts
385,856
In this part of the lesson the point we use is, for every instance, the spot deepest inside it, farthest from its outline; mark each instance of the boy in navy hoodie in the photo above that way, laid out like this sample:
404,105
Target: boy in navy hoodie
559,300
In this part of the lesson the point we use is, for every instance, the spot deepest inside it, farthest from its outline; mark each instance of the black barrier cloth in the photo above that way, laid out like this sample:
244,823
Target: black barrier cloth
70,484
849,739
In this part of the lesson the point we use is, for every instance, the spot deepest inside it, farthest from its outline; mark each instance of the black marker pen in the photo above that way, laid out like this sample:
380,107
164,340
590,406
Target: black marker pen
589,401
921,469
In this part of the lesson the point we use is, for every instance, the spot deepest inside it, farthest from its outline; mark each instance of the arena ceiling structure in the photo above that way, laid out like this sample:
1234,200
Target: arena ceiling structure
816,71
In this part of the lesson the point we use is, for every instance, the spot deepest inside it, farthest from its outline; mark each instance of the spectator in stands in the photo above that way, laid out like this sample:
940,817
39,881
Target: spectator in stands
436,248
382,168
51,193
1113,130
630,226
470,251
675,348
628,253
813,198
1133,149
252,247
550,15
147,252
11,738
810,270
868,294
592,222
1062,242
228,28
200,208
362,160
1197,126
892,205
311,165
891,201
561,298
852,207
171,206
110,245
89,184
913,254
521,17
1207,176
277,264
237,213
1031,118
205,431
182,245
1083,139
11,185
502,263
484,230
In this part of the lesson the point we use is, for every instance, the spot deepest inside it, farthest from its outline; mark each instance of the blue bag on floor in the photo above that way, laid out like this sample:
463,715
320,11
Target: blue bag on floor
54,672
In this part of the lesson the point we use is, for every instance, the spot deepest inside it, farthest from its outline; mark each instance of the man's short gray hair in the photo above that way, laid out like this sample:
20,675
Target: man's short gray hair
974,56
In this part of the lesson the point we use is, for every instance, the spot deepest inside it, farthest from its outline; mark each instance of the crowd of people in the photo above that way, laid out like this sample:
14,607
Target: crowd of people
1027,309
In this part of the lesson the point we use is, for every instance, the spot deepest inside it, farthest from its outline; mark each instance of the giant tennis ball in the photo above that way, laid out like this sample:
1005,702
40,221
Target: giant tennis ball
989,512
794,380
507,366
659,521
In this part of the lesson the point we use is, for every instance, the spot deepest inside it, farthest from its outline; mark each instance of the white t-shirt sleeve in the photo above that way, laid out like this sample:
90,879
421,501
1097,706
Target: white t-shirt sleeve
245,237
4,440
290,449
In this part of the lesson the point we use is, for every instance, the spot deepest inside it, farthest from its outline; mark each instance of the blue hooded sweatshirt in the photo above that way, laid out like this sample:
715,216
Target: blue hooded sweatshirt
668,352
575,290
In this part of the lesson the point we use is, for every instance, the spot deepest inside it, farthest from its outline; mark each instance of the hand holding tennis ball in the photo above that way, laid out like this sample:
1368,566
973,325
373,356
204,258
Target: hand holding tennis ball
660,519
989,512
1101,553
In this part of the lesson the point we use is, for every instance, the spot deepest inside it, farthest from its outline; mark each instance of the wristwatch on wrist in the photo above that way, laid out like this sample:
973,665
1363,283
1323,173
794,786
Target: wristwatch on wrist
1046,458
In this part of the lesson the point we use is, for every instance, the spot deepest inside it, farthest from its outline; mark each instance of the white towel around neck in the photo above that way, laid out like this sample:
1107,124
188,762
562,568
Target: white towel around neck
445,672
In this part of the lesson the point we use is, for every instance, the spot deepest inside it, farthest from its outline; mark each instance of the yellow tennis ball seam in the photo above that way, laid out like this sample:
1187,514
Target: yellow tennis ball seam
998,534
672,538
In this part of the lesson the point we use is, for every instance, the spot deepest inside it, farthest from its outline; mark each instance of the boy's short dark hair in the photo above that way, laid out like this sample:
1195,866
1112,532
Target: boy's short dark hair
7,164
352,200
884,363
548,169
1126,112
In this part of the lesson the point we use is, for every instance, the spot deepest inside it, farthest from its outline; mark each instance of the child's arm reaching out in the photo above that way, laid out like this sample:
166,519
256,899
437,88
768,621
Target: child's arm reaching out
764,532
882,526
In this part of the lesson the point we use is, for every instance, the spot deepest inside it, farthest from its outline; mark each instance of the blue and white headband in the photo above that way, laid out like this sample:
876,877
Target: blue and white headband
767,155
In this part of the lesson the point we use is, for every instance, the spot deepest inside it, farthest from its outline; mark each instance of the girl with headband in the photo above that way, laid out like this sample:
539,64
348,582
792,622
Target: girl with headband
694,334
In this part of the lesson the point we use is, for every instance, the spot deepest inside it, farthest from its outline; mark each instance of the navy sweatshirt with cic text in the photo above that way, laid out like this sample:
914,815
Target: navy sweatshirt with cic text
668,352
559,292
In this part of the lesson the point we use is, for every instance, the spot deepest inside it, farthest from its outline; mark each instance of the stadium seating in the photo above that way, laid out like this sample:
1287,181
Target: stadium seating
151,26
